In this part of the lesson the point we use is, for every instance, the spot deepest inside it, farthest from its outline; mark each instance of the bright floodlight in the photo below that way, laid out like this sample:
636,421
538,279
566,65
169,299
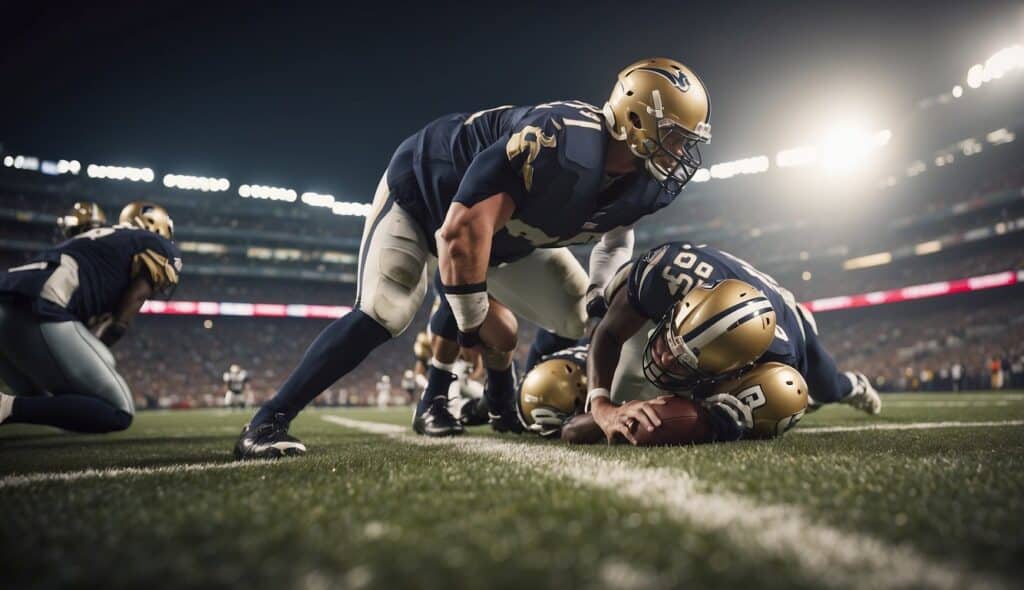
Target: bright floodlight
8,161
976,75
847,147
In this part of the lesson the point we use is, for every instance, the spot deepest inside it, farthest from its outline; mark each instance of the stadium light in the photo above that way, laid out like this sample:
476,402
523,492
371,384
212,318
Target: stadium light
958,91
752,165
702,175
1000,136
198,183
846,147
868,261
354,209
798,156
8,161
318,200
272,193
119,173
975,75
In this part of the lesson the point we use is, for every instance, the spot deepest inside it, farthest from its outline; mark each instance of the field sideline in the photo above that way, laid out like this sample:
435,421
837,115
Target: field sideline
930,494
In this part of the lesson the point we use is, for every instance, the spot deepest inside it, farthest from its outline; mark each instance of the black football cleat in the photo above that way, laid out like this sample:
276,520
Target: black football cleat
474,412
437,421
269,440
506,418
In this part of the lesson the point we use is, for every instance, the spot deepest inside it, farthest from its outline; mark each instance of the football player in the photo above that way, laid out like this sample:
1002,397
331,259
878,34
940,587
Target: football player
238,394
689,313
60,313
553,394
495,196
84,215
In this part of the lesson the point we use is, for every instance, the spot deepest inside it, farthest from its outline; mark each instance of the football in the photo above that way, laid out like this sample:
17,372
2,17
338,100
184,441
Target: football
683,422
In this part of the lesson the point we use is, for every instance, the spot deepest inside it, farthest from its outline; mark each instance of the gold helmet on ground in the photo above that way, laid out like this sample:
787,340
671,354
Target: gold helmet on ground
84,215
148,216
421,348
776,394
551,392
711,333
661,109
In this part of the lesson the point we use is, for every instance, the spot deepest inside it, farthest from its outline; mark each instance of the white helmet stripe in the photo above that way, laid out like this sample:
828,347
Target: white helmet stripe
755,307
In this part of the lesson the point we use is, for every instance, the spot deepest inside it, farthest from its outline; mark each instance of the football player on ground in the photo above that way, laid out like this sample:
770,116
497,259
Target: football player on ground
495,196
553,394
84,215
687,313
61,373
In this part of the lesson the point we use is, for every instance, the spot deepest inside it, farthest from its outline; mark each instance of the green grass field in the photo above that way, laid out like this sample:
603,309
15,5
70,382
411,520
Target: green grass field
934,497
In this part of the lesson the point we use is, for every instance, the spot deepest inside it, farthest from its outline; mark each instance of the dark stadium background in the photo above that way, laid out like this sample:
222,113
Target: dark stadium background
315,98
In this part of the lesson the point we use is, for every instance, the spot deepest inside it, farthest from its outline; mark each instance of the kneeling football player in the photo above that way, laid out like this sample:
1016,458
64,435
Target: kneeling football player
61,371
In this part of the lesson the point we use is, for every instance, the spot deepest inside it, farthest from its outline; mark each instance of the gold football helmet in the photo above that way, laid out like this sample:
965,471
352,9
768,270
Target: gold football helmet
84,215
776,394
713,332
148,216
421,348
661,109
551,392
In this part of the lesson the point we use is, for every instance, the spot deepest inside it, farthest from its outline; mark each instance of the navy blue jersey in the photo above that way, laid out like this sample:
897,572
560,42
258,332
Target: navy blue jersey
108,259
665,274
576,354
550,158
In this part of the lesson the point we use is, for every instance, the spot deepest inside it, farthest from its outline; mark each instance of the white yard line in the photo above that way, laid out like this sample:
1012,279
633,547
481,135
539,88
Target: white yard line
13,481
822,554
908,426
949,404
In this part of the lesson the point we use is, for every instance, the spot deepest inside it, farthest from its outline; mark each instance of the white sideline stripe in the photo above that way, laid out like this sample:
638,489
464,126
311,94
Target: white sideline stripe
13,481
908,426
950,404
821,554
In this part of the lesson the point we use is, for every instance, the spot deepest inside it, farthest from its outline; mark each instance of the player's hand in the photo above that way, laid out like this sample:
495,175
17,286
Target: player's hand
625,419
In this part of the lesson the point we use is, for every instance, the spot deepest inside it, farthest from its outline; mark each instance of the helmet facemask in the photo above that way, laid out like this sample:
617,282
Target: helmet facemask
685,376
674,158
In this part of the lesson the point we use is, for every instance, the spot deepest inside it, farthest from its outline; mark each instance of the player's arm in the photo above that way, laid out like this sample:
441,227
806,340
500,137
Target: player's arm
137,293
464,250
614,250
620,323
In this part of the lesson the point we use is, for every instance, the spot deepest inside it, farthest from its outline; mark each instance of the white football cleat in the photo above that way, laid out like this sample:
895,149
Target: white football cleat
863,397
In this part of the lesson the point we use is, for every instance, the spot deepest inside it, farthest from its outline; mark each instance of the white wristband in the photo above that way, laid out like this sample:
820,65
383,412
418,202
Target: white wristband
469,309
594,394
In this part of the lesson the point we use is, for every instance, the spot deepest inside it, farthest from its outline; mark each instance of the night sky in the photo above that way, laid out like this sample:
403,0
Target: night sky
316,97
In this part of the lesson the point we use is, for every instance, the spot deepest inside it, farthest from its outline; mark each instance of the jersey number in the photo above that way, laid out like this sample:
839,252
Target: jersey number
684,262
529,141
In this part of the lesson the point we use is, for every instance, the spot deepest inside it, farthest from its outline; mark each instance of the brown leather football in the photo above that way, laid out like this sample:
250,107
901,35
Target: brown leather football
683,422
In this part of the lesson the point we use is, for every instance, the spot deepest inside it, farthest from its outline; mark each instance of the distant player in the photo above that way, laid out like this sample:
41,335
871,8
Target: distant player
61,373
384,392
496,196
83,216
238,393
681,312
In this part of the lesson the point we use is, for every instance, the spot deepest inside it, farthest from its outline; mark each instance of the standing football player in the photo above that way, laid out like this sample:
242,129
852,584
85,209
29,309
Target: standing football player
238,394
495,196
681,312
61,373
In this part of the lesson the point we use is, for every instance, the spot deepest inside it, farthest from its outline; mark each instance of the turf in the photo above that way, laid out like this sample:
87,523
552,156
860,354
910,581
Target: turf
365,510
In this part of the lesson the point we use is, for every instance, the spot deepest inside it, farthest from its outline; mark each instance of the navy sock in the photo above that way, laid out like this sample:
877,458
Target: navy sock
78,413
336,351
544,344
438,382
501,388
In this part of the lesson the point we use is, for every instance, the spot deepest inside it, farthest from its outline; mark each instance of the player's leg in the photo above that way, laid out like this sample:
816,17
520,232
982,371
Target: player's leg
546,288
545,343
826,384
67,361
392,281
